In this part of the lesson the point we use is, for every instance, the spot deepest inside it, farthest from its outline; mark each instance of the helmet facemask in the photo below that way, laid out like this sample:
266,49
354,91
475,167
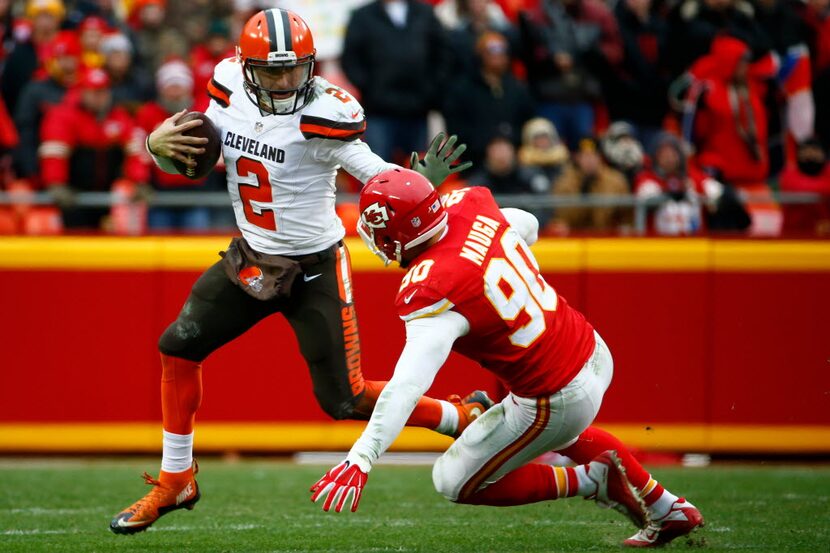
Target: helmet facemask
281,85
387,248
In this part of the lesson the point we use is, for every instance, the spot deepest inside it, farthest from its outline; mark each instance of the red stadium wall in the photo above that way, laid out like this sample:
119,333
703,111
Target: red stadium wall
718,346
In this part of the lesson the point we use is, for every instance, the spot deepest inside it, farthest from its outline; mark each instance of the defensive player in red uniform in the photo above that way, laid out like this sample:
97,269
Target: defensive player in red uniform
474,286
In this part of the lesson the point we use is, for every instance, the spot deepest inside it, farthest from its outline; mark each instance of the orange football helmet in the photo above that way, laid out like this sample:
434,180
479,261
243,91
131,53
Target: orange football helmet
277,52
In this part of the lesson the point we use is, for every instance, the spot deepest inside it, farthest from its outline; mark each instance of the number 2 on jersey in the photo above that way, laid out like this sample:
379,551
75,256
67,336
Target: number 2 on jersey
528,291
259,192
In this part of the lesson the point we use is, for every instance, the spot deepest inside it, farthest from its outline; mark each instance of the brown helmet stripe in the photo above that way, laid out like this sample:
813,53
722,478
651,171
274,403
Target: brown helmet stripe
286,29
272,30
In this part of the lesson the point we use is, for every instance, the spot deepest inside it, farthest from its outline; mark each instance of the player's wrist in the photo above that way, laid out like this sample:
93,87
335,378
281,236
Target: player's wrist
362,462
150,148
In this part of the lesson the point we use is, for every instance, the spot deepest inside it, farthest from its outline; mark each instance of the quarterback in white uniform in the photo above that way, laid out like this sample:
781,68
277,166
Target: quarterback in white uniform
292,213
284,135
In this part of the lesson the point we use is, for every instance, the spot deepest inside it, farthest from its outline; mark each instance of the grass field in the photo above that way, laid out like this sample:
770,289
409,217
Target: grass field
263,505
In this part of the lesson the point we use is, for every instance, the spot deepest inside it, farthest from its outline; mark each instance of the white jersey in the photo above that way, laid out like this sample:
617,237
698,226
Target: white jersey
281,168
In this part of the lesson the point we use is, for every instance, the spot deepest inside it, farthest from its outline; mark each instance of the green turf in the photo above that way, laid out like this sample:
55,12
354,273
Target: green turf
264,506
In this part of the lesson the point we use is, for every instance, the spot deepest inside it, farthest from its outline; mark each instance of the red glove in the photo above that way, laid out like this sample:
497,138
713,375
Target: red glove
338,484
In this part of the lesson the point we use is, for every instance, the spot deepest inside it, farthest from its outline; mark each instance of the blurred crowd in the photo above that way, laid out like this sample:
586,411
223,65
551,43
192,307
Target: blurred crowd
707,109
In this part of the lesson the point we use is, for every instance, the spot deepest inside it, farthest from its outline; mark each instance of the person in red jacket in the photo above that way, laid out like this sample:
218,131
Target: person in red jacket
87,144
730,125
204,59
174,83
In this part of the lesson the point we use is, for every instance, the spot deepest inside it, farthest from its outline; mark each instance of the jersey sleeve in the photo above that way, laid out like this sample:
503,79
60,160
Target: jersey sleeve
334,114
355,157
57,135
420,301
219,86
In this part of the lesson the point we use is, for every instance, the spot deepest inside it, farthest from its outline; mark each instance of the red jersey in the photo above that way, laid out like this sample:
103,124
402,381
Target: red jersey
89,153
520,328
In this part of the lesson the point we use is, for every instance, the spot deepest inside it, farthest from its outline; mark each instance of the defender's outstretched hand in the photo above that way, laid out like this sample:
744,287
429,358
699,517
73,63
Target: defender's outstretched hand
437,163
338,484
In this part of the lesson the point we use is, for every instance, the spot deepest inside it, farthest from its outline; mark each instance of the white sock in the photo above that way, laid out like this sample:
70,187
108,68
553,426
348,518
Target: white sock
662,506
449,419
585,486
177,452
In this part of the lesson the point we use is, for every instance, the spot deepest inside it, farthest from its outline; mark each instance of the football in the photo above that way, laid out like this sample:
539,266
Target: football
213,147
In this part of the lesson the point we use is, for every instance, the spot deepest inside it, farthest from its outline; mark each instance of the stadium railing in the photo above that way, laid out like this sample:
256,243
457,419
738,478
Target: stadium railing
525,201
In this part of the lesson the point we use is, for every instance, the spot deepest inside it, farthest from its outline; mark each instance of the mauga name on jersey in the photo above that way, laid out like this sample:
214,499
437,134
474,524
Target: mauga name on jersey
520,328
281,168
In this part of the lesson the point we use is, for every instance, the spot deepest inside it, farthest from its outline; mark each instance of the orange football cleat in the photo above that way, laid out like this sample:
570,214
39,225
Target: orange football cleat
170,492
472,406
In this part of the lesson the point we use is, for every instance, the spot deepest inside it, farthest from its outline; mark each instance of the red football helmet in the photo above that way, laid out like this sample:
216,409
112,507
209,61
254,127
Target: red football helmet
276,51
399,210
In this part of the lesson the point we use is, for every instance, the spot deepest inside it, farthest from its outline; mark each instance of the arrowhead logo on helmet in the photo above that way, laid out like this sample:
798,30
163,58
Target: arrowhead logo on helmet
375,216
400,210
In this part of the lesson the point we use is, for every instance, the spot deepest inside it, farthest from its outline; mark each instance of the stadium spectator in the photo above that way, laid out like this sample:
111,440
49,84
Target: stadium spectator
62,67
694,24
174,82
131,86
588,174
787,33
485,15
637,90
622,150
26,60
205,57
8,141
154,40
489,102
542,148
730,124
395,54
86,145
91,32
466,21
569,46
810,173
683,189
502,173
816,17
111,11
7,24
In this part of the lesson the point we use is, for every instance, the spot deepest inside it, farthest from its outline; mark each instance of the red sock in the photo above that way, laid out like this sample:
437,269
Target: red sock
181,393
594,441
527,484
427,413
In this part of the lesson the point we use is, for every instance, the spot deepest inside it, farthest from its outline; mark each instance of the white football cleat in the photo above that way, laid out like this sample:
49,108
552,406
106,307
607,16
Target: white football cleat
682,519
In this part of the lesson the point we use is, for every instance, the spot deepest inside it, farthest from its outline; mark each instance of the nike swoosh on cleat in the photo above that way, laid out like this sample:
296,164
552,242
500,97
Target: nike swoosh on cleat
127,524
307,278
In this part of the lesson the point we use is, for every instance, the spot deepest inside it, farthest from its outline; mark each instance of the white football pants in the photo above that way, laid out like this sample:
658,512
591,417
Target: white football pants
517,430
